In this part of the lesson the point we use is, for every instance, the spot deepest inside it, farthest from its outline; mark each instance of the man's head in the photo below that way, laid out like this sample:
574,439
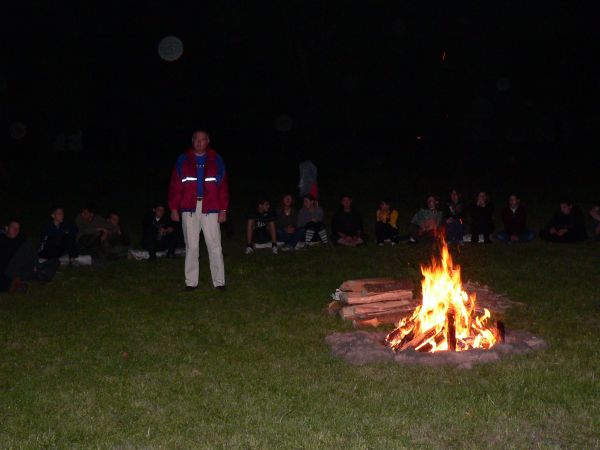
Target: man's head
482,197
114,218
87,213
159,210
346,202
263,205
454,196
513,201
12,229
287,201
309,201
200,141
566,206
57,213
431,202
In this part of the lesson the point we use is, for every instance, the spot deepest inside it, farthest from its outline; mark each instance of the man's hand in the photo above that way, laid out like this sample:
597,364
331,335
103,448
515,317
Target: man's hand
290,229
562,232
175,215
169,230
222,216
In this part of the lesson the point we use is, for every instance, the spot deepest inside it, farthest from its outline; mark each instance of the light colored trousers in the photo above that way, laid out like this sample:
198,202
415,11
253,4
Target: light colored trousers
193,223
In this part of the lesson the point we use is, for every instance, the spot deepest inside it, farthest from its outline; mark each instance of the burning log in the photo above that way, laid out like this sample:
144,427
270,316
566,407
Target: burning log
500,331
417,340
451,330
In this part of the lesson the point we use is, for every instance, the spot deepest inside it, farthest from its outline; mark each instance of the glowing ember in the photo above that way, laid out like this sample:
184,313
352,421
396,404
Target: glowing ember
446,319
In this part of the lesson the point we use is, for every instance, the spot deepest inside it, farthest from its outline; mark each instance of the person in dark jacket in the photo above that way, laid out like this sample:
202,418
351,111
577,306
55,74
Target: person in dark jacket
481,218
58,238
19,261
286,223
347,224
514,218
566,226
260,227
454,218
158,232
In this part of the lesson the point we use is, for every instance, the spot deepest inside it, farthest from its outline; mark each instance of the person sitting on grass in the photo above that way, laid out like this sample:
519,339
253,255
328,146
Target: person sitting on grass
347,224
93,232
310,218
595,214
482,222
566,226
425,224
19,261
287,223
58,238
514,218
386,225
454,218
260,227
117,244
158,232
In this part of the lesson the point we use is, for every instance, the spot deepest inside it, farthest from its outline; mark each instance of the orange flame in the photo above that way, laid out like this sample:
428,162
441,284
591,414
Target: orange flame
446,319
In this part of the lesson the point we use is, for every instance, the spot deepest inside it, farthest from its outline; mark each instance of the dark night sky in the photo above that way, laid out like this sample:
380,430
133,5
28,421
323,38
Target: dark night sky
351,75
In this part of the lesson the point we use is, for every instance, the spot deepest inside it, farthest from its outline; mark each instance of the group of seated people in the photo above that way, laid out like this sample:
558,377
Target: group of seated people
473,222
90,238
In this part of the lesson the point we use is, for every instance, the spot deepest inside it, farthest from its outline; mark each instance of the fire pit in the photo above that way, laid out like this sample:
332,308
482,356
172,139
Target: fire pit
447,326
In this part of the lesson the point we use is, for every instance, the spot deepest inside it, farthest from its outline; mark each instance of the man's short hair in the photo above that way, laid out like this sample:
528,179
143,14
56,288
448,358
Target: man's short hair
53,208
201,131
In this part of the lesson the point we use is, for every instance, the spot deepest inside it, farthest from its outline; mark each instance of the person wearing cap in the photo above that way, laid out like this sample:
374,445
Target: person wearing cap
199,198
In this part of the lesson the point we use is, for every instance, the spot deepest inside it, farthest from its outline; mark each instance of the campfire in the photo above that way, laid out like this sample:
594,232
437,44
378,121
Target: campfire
446,319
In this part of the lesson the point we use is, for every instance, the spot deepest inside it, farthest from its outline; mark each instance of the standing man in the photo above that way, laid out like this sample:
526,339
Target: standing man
199,197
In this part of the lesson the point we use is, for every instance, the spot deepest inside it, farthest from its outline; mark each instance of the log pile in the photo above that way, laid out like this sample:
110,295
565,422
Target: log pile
378,301
374,301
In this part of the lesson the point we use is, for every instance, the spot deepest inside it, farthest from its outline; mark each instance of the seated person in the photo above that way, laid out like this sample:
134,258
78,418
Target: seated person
347,224
260,228
566,225
482,222
57,237
93,232
595,214
287,223
454,218
386,226
117,243
310,219
158,232
425,224
19,261
514,218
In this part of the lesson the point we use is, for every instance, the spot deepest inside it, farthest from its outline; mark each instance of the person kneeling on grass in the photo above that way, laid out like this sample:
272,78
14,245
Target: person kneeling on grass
58,238
347,224
566,226
425,224
514,217
310,218
386,226
260,228
287,223
158,233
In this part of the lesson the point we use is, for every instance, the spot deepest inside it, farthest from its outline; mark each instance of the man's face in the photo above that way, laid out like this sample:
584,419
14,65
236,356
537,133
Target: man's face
513,201
454,196
481,197
384,206
307,203
58,215
114,219
159,211
87,215
565,208
264,207
200,142
13,229
431,202
288,200
346,202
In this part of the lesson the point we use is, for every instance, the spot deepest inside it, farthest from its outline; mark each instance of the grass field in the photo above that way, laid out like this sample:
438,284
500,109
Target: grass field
118,357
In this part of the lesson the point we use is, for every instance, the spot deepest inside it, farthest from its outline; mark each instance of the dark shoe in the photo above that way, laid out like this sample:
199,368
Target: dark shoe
221,288
190,288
